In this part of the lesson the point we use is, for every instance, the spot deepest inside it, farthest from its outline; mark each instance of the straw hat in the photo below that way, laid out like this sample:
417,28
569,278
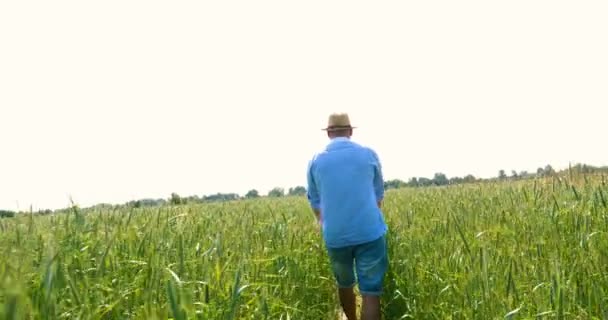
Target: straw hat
338,121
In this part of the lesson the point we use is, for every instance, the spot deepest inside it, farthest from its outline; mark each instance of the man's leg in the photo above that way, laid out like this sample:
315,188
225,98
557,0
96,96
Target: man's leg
348,302
341,260
370,310
371,265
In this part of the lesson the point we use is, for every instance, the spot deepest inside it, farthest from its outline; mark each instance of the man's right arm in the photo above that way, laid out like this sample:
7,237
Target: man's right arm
312,192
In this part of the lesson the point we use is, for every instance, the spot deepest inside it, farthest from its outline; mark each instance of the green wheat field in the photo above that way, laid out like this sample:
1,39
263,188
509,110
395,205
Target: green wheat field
534,249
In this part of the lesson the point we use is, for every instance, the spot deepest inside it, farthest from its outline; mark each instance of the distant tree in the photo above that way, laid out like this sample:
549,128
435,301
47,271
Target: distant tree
456,180
192,199
221,197
134,204
153,202
469,178
549,171
276,192
440,179
394,184
514,174
540,172
413,182
175,199
523,174
585,168
6,214
253,193
423,182
502,175
297,191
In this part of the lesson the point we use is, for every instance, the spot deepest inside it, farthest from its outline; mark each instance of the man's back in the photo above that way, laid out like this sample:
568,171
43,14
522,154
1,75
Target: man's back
345,183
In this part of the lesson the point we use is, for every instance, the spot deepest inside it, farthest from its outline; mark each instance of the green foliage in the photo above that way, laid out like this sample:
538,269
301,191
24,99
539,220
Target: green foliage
134,204
394,184
220,197
514,250
276,192
502,175
175,199
297,191
6,214
440,179
253,193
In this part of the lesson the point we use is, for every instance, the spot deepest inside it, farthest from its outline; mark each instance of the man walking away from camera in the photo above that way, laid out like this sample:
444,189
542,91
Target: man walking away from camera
345,191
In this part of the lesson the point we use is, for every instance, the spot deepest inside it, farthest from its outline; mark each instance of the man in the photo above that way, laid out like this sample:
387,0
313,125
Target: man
345,191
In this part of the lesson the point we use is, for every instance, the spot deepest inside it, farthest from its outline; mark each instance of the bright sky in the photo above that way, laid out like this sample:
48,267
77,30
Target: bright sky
111,101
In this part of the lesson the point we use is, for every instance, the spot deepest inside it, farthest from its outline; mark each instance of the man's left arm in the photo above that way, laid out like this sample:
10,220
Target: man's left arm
378,179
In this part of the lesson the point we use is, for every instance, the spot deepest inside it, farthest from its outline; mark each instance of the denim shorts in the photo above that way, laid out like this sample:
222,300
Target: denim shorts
368,260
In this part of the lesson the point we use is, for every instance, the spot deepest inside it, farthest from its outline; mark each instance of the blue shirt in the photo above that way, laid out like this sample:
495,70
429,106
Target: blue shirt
345,183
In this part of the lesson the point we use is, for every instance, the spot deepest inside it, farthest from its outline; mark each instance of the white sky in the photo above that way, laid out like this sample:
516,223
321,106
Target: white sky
110,101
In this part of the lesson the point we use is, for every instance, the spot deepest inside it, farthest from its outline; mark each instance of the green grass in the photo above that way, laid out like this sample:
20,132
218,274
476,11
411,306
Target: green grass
525,250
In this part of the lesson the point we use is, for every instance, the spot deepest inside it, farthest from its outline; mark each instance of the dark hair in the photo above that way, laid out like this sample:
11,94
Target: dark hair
343,132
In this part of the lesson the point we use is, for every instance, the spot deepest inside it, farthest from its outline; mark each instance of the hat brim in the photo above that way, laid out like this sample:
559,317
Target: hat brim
338,128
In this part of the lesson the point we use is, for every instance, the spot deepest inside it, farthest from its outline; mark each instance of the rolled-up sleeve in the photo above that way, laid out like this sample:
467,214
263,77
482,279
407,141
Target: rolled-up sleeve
378,176
312,191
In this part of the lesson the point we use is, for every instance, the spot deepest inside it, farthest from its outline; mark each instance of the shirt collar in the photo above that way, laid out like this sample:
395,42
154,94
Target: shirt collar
337,140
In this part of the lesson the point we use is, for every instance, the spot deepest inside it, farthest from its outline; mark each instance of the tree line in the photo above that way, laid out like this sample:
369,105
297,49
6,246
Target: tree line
176,199
438,179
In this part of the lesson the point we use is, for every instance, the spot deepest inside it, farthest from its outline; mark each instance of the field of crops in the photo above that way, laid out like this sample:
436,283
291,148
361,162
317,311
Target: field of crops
520,250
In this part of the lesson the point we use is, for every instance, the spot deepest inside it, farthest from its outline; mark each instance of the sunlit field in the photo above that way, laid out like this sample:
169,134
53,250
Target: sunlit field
519,250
